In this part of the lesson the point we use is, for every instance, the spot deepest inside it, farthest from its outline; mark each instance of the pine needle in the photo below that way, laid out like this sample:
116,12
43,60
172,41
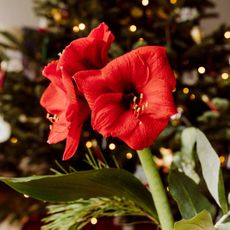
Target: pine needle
75,215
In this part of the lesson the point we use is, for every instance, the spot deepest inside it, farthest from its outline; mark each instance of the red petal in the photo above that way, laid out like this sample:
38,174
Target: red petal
127,71
160,100
72,141
76,56
102,33
53,74
77,115
92,84
59,130
109,117
157,61
87,53
53,99
79,111
145,133
69,87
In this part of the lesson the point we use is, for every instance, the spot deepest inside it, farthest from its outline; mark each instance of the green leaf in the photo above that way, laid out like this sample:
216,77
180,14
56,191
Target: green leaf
211,170
225,226
85,185
188,140
186,165
185,192
201,221
184,159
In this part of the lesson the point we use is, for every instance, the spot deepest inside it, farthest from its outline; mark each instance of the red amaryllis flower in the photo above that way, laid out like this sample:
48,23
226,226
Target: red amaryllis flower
131,98
68,107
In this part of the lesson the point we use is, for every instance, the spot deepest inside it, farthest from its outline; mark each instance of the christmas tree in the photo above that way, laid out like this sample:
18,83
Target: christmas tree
200,63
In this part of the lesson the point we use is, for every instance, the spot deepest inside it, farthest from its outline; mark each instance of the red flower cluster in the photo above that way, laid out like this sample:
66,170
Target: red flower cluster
67,105
130,97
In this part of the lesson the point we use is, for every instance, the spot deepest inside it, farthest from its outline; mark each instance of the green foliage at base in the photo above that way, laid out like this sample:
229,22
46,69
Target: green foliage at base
201,221
77,214
85,185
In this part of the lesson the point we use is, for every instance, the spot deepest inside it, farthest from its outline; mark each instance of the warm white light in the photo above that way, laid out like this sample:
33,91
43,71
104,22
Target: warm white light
192,96
225,76
112,146
81,26
132,28
89,144
94,142
173,1
204,98
13,140
26,196
145,2
93,220
201,70
76,29
129,156
222,159
227,34
185,90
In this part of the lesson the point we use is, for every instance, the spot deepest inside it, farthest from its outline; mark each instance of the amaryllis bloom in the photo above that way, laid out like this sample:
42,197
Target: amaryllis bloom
131,97
67,109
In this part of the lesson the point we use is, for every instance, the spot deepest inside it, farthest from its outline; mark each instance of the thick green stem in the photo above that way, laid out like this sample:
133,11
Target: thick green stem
157,189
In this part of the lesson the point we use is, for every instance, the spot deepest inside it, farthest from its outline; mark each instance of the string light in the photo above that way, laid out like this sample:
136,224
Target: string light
132,28
57,16
222,159
192,96
227,34
94,142
81,26
76,29
173,1
93,220
224,76
141,39
201,70
145,2
185,90
13,140
112,146
196,34
89,144
204,98
22,118
129,156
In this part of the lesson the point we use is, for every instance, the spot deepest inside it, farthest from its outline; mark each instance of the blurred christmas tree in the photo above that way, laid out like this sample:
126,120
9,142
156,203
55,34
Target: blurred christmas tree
200,62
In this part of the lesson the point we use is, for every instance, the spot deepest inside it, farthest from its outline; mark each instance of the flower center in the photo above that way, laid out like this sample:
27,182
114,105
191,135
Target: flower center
51,118
135,102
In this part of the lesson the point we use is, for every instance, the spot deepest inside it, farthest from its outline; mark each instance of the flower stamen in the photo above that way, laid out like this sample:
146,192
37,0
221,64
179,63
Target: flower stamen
51,118
138,107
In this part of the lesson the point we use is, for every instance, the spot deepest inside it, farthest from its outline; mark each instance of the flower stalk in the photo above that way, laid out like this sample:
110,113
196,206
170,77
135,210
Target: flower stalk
157,189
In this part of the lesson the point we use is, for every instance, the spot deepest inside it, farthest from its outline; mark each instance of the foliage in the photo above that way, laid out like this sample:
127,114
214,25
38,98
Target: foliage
77,214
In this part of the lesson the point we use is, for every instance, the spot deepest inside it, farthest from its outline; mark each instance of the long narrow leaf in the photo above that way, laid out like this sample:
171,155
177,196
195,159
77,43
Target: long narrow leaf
211,170
85,185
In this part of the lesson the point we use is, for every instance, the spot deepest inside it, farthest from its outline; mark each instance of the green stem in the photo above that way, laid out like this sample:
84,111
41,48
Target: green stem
157,189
